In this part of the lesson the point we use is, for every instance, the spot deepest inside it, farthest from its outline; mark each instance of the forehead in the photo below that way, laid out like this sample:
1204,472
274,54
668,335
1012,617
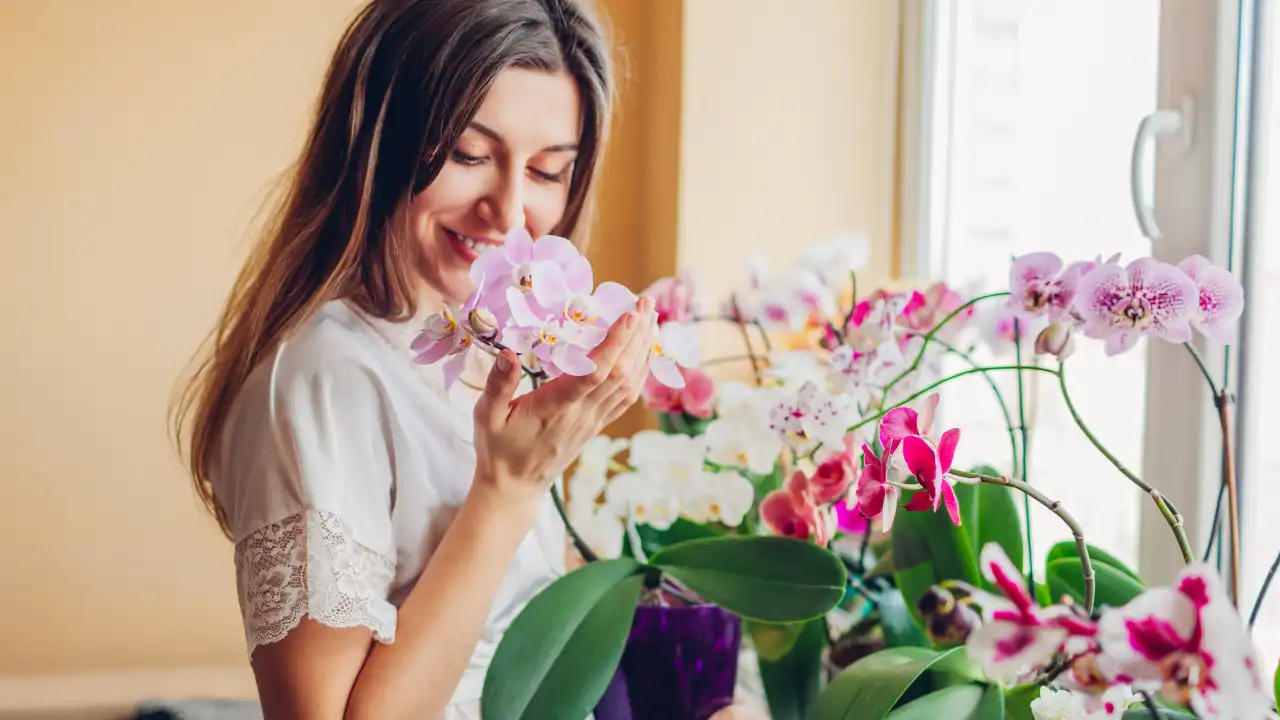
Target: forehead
532,109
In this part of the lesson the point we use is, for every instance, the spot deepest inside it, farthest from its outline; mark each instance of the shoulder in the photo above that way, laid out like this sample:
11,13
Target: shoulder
309,426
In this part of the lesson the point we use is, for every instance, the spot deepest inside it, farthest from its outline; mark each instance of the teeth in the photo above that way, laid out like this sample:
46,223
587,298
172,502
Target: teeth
479,248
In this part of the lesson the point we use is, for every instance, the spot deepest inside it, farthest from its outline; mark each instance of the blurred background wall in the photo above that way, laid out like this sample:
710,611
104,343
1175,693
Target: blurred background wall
137,141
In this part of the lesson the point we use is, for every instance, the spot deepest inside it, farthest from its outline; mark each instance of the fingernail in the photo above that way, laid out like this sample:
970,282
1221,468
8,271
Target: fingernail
630,321
504,365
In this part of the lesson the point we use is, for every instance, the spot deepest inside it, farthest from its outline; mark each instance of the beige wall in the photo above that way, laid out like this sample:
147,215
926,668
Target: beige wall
136,140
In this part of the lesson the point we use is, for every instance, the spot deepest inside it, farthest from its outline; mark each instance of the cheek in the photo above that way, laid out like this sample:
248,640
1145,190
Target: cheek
450,196
544,207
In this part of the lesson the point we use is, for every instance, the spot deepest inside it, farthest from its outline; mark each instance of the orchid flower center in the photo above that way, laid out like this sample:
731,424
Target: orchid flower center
1182,672
523,277
1039,294
441,325
548,336
1084,671
580,310
1135,312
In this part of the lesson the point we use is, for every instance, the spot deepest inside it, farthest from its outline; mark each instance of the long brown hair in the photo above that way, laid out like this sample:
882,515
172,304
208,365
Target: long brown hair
404,82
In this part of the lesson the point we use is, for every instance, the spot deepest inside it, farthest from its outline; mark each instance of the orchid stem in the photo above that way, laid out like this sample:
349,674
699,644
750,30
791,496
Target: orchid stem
1022,431
986,369
746,342
1229,479
1171,515
915,364
1056,508
1204,369
734,358
995,390
1262,592
1151,705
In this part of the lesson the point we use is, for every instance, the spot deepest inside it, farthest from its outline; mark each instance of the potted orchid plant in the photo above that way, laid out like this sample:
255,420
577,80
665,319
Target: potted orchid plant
920,596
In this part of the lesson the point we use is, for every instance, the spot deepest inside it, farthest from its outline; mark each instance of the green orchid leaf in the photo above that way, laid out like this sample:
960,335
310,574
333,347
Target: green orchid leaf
1067,549
792,682
681,530
920,537
561,652
869,688
958,702
772,579
1113,587
772,640
990,514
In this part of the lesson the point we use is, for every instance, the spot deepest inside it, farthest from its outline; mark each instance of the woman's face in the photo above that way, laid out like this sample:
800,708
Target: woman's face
510,168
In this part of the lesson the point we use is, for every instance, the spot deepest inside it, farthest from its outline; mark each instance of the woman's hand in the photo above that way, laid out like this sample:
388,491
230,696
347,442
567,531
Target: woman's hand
523,443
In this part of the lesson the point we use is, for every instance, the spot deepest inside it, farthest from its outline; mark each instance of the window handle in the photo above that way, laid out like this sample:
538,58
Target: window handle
1161,123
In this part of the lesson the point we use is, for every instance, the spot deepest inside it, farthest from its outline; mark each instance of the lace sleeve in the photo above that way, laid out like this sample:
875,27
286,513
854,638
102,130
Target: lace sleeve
308,564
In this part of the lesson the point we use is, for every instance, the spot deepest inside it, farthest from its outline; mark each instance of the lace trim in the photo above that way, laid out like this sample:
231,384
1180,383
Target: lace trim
308,564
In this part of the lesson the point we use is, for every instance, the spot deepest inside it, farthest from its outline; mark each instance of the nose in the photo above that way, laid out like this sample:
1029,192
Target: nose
503,206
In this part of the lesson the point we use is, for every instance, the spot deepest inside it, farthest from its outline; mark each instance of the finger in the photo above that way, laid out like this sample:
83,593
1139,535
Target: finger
623,374
494,405
605,355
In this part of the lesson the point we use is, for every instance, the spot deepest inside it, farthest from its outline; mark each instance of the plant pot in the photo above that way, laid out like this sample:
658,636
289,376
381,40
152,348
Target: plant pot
680,663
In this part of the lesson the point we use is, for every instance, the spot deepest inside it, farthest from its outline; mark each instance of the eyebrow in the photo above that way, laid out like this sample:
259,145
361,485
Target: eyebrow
494,135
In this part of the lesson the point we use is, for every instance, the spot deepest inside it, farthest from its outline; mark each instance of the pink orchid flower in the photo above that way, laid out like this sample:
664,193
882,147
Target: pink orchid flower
1148,297
788,512
674,298
1189,641
834,475
874,495
851,519
1039,285
676,348
560,345
1221,299
445,337
696,397
1018,638
902,422
518,262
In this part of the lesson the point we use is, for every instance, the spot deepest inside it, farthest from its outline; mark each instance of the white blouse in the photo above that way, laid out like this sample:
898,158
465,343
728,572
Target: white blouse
341,467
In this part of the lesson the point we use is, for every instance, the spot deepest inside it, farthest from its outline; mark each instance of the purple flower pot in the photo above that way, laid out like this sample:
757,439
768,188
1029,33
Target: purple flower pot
681,663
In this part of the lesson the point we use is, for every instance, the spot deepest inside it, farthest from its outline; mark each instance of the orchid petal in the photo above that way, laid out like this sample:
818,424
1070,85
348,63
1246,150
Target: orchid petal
1099,291
947,448
436,351
521,313
453,368
951,503
922,461
919,502
554,249
890,508
613,300
549,286
927,416
589,336
666,371
1000,571
680,343
897,424
490,266
572,360
519,246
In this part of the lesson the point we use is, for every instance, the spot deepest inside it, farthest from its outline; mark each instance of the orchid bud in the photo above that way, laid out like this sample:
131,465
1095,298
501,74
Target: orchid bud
440,326
1056,340
483,323
948,613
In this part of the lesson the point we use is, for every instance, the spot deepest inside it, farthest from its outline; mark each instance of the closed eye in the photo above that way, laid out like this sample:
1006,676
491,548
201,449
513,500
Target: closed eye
464,159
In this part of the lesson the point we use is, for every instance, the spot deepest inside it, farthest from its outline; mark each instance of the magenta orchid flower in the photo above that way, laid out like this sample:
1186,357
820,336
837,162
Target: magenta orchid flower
1221,299
1018,638
874,496
1188,641
1148,297
676,347
905,432
675,299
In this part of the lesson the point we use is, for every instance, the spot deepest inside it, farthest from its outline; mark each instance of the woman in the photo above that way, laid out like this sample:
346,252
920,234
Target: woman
366,503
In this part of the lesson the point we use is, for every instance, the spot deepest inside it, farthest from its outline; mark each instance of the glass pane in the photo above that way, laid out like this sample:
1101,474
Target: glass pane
1046,96
1261,462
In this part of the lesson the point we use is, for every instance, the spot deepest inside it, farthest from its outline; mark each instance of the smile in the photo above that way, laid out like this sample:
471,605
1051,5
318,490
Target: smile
478,246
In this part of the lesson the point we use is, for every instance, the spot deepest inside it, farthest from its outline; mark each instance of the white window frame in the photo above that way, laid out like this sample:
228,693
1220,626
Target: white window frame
1192,202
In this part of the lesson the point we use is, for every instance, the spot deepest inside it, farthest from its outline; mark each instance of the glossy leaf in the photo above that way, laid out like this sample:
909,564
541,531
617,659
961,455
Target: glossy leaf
560,653
792,682
1018,699
774,579
1140,712
682,423
912,583
1113,587
869,688
1067,549
920,537
956,702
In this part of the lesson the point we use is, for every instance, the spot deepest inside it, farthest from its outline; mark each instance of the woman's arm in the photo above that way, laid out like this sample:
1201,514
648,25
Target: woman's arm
323,672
